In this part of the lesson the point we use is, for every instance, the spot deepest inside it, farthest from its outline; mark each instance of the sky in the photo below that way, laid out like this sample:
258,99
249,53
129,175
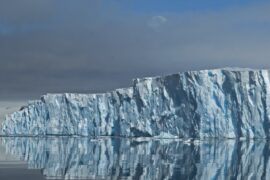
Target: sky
96,46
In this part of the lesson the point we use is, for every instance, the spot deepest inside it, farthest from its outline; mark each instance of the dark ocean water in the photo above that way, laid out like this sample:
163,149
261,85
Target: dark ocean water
122,158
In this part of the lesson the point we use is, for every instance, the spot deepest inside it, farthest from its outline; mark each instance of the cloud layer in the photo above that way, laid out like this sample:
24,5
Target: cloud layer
93,46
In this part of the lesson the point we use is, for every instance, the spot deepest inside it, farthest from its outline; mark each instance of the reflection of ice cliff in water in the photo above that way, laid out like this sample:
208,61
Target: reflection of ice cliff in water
155,159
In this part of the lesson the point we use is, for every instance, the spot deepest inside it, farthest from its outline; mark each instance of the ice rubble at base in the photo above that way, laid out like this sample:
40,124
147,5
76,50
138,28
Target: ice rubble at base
224,103
123,158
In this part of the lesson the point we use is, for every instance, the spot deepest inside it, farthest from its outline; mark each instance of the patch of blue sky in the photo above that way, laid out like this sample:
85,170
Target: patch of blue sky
6,29
180,6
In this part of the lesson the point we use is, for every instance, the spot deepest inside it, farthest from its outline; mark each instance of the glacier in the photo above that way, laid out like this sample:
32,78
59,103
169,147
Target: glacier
127,158
216,103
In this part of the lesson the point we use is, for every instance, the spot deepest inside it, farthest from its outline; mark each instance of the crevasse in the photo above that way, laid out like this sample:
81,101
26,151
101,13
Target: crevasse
222,103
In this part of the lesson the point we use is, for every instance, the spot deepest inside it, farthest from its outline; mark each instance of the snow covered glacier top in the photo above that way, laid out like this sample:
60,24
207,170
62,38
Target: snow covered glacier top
223,103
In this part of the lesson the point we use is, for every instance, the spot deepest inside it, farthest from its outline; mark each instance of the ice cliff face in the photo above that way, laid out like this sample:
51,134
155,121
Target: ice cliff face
224,103
123,158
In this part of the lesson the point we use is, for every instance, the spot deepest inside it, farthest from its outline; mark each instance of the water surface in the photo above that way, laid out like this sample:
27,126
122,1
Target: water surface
123,158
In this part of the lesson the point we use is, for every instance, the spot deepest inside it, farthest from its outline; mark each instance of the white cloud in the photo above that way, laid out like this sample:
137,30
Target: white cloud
157,21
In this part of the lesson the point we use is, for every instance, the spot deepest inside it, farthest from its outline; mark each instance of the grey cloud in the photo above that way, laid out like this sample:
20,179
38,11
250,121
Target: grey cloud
91,46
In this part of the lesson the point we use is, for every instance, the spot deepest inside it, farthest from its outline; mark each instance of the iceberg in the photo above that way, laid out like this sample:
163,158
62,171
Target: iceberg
217,103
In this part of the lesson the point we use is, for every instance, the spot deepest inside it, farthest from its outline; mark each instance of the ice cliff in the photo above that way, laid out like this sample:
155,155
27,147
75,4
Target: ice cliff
223,103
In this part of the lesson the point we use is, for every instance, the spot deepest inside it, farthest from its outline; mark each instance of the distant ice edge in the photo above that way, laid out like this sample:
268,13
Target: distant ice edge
220,103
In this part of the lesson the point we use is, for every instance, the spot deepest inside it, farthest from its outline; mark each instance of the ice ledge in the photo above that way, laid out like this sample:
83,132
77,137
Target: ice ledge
219,103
